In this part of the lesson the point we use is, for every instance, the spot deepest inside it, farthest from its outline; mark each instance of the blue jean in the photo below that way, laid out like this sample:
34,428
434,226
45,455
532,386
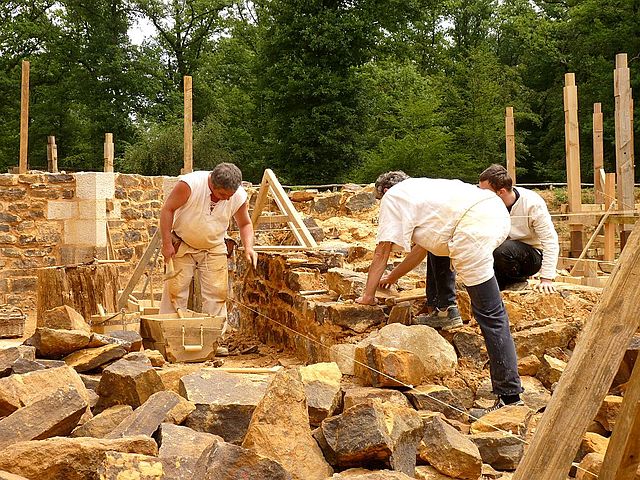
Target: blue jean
515,261
488,310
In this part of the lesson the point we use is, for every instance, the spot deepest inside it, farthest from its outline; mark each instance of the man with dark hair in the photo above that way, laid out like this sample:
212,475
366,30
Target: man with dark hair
465,223
532,247
193,223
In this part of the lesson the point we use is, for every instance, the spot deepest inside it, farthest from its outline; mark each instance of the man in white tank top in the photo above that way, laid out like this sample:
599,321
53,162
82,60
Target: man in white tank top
193,223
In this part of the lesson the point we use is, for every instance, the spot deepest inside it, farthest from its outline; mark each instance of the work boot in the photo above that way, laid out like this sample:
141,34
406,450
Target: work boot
517,286
443,319
496,406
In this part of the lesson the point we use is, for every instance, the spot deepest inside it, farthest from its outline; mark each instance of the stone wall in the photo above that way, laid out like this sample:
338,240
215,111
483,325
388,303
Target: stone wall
61,219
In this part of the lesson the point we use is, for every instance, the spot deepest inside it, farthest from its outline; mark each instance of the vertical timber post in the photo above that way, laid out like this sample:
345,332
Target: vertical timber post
24,118
52,154
598,153
511,143
572,148
188,125
609,228
624,140
108,152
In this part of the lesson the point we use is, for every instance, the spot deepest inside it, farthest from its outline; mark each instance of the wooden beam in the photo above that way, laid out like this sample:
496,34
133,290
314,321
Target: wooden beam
624,139
609,228
188,125
284,248
267,219
589,373
511,143
154,245
598,153
622,459
24,118
572,149
52,154
108,152
261,200
583,254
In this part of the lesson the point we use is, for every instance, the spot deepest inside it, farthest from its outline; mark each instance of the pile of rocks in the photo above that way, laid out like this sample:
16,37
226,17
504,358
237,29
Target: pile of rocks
79,405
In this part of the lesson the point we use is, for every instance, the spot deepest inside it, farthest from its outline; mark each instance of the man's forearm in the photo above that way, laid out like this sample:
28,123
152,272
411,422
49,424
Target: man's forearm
166,224
246,235
376,269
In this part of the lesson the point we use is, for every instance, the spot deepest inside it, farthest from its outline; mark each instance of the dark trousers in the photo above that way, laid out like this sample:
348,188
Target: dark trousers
515,261
488,310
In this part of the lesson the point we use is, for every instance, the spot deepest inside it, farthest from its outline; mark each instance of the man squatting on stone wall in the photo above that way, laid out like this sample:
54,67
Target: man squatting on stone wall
193,223
531,247
457,220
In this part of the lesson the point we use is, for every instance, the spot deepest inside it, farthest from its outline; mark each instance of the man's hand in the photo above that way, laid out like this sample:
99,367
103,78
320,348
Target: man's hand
168,251
366,300
387,281
545,286
252,257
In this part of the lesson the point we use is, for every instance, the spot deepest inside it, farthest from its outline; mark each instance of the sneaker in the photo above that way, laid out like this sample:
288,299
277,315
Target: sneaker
446,319
517,286
499,404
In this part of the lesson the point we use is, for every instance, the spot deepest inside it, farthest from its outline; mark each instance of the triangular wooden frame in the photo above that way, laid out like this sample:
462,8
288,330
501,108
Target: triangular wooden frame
289,215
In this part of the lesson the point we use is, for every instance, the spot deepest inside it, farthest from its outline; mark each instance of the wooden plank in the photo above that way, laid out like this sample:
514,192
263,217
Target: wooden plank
272,219
622,459
261,200
284,248
52,154
572,149
282,199
624,139
510,143
154,244
188,125
589,373
108,152
598,153
24,118
609,228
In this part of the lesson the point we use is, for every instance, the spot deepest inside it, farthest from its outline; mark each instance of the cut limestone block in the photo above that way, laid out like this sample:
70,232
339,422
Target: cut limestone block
381,366
22,366
63,317
374,431
180,449
449,451
427,472
11,476
536,341
279,430
591,443
91,358
356,395
10,354
528,366
53,415
171,373
103,423
511,418
437,355
501,451
68,458
353,316
146,419
127,383
224,401
57,343
437,398
343,354
20,390
322,388
609,411
550,370
225,461
118,466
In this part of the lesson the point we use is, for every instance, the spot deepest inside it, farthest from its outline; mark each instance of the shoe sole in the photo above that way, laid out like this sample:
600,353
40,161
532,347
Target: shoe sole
441,324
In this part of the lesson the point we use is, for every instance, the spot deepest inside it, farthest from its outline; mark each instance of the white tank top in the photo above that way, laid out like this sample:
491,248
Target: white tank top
200,223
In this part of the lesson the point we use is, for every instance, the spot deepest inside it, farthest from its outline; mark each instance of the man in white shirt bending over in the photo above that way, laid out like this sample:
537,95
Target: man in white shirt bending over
193,223
532,247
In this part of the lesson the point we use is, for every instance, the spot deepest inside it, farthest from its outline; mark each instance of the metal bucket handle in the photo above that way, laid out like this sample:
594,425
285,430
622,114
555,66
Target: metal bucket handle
193,347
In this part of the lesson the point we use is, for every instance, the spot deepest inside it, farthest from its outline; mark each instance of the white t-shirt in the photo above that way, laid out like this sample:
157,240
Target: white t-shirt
447,218
201,224
532,224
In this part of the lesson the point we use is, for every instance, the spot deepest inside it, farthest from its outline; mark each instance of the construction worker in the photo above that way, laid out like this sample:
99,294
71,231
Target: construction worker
193,223
461,221
532,247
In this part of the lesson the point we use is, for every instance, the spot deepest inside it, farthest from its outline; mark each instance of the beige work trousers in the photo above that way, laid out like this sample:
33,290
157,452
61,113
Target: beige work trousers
213,282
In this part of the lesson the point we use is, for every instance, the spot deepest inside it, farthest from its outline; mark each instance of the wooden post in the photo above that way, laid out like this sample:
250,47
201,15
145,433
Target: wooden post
188,125
572,148
621,460
24,118
108,152
511,143
589,373
609,228
624,140
52,154
598,153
